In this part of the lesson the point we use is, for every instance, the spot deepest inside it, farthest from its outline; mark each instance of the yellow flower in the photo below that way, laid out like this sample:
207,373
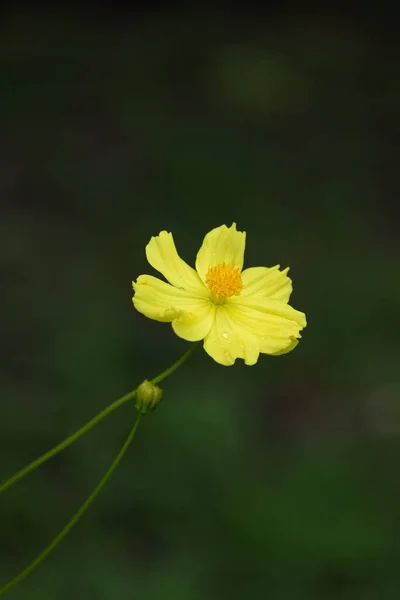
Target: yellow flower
237,313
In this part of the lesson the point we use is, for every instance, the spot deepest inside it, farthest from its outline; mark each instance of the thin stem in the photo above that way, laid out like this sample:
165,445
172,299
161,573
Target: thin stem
176,365
77,515
67,442
75,436
102,482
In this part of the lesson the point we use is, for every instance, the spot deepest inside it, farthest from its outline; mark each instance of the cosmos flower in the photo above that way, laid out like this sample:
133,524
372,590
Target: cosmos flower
238,313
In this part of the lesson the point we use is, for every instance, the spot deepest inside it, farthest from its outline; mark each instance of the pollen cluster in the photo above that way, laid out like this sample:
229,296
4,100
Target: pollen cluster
224,281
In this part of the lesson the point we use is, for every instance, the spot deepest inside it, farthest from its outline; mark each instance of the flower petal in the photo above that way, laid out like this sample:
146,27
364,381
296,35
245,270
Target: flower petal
276,324
221,245
228,340
191,316
288,348
162,255
268,282
195,325
158,300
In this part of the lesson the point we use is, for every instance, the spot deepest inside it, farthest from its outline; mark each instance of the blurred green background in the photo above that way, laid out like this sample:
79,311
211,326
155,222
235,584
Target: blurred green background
275,481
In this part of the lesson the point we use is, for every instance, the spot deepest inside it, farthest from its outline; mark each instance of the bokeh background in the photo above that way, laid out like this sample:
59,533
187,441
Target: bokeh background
274,481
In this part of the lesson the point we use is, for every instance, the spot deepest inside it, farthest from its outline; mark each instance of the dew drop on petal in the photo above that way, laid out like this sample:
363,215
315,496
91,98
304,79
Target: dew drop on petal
225,335
227,354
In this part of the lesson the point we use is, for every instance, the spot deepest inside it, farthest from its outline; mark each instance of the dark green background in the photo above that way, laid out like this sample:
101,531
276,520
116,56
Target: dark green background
275,481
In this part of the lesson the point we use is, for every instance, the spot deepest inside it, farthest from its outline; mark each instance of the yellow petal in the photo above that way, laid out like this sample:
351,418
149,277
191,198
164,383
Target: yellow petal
195,325
275,323
288,348
191,316
221,245
158,300
162,255
270,307
228,340
268,282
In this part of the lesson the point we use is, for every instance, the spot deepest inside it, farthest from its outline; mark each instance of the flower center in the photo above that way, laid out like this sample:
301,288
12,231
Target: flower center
224,281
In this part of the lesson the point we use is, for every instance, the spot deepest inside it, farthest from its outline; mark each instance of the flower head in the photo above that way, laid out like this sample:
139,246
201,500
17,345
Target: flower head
238,313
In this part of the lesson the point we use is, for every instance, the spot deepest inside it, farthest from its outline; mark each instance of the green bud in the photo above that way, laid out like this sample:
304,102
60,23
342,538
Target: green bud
147,397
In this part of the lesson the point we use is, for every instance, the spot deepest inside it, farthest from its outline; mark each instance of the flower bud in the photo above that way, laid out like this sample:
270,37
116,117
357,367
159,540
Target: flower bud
147,397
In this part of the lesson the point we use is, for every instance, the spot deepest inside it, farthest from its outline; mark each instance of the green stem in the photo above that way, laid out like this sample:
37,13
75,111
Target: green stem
67,442
102,482
109,409
176,365
77,515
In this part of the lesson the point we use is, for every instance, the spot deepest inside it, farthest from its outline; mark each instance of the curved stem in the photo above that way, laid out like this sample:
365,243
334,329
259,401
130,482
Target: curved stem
77,515
176,365
99,417
67,442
